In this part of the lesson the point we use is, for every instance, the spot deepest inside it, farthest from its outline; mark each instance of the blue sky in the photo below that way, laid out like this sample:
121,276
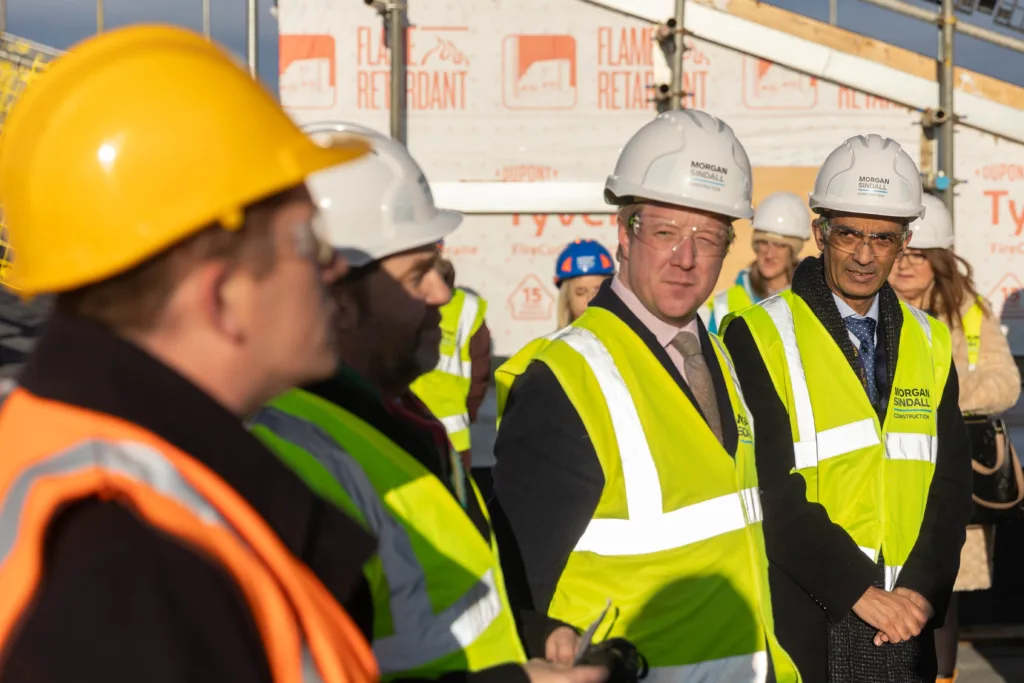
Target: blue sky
62,22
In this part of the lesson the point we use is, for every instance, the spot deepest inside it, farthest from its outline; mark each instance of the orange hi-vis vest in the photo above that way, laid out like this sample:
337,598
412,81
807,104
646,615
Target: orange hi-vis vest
55,454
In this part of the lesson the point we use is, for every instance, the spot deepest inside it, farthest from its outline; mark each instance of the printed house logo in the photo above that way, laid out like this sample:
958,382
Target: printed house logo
538,72
308,71
531,300
768,86
1009,290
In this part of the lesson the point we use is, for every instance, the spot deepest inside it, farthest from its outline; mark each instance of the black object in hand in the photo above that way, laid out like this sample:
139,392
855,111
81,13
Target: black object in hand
620,657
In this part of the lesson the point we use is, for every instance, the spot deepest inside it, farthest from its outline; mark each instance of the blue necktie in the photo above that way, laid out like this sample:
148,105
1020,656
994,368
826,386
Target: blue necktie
864,330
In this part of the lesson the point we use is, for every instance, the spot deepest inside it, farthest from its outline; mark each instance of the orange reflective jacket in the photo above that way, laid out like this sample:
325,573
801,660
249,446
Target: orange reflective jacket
55,454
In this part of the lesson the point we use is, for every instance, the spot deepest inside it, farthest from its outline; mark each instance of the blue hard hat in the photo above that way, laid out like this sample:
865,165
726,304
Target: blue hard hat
583,257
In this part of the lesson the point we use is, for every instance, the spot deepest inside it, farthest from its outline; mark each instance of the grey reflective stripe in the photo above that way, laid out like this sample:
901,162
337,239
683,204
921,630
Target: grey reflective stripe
136,461
420,637
454,364
132,460
721,305
922,319
735,380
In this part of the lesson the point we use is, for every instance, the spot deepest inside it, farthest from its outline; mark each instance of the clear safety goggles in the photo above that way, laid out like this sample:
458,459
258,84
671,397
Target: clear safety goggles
667,235
848,239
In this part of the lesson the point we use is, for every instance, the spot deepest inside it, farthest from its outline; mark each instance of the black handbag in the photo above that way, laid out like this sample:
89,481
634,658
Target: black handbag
998,479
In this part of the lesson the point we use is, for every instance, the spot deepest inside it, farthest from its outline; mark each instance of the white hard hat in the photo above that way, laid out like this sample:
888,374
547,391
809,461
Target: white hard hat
935,230
379,205
783,213
685,158
870,175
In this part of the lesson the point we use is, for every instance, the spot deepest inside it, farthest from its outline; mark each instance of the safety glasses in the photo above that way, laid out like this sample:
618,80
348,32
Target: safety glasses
665,235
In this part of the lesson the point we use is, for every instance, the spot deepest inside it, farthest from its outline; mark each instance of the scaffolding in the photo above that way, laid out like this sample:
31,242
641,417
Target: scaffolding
21,60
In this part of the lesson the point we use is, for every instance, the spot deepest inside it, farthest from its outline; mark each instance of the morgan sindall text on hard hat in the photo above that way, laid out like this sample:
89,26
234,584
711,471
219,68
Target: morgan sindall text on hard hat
685,158
870,175
133,141
380,205
785,214
935,229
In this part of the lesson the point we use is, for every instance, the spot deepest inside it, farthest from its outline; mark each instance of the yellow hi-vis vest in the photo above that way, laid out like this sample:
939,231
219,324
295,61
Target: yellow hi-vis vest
972,332
445,388
675,542
871,478
438,592
731,299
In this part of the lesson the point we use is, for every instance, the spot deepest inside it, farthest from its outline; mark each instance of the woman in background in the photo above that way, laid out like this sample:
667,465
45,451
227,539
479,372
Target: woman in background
932,278
782,224
580,270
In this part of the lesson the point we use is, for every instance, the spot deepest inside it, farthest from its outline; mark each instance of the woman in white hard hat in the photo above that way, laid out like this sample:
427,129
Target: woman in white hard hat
580,270
933,278
782,224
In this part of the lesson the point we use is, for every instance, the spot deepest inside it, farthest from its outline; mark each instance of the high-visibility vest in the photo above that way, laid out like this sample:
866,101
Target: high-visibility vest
675,541
438,592
871,478
734,298
972,332
56,454
445,388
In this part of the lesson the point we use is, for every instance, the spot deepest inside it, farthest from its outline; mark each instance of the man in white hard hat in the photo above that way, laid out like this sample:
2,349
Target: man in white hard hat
782,224
625,459
432,600
861,448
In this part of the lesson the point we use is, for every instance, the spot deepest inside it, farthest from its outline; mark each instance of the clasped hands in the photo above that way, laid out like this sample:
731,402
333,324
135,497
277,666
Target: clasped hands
898,615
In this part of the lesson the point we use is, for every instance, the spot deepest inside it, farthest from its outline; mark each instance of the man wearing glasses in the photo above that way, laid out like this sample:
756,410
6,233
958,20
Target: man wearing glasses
863,459
625,458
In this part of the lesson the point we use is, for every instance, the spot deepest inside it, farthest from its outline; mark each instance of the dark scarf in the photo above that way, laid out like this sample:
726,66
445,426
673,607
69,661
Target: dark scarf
853,657
809,284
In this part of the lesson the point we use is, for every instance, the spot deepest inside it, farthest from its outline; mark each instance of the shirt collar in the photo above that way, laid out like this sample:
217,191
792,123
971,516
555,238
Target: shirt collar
664,332
845,311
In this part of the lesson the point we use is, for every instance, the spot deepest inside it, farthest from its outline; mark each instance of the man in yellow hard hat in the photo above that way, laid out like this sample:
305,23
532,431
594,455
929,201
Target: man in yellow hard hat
145,535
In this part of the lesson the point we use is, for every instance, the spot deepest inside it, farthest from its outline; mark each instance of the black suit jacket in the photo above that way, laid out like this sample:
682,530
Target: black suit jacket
816,570
548,479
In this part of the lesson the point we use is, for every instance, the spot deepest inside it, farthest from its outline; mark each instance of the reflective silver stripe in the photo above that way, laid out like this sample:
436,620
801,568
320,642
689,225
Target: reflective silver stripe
922,319
752,668
456,423
135,461
735,380
648,529
805,447
721,306
847,438
420,636
891,573
908,446
454,364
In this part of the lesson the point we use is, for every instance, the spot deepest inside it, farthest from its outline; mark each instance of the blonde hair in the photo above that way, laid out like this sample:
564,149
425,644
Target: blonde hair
562,309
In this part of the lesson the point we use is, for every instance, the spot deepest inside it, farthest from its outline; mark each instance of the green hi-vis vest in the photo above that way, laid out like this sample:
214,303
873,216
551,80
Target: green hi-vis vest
445,388
972,332
871,478
438,593
675,542
731,299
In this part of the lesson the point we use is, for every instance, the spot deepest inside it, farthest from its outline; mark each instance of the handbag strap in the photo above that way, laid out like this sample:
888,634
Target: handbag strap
1003,444
1000,452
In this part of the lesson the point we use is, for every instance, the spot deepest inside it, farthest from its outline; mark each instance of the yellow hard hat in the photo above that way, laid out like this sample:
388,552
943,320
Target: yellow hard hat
134,140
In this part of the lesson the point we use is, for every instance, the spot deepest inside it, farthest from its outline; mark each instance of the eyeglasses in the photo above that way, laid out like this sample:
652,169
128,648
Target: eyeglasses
668,236
913,258
849,240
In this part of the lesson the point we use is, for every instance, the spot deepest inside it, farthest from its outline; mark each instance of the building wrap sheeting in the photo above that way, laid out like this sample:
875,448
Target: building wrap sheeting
548,91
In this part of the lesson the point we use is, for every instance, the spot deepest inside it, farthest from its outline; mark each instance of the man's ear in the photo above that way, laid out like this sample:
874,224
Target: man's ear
349,316
622,253
818,227
221,296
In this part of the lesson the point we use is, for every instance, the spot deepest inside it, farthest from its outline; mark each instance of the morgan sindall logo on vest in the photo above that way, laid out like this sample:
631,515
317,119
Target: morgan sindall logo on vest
743,428
912,403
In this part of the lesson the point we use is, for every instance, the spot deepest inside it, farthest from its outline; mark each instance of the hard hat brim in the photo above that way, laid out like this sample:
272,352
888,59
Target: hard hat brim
439,227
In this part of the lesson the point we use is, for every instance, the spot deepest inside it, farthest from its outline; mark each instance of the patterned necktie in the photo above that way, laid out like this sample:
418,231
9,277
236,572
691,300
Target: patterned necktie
699,379
864,330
